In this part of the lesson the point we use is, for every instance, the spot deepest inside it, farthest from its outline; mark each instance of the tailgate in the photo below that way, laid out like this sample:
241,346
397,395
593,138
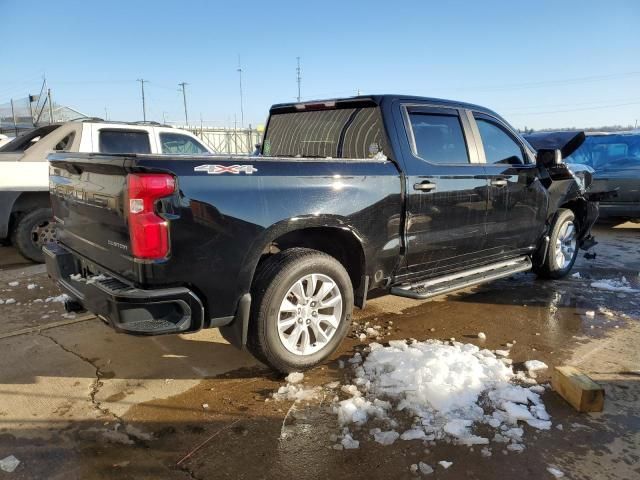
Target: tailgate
88,200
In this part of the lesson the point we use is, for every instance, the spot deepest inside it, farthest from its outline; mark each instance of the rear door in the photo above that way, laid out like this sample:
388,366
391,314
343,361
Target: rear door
517,207
446,190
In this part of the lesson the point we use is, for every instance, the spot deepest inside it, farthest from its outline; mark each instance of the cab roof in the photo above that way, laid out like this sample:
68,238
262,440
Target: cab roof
373,100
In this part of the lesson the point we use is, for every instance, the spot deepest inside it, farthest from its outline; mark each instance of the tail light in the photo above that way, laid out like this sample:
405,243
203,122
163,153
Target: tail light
149,232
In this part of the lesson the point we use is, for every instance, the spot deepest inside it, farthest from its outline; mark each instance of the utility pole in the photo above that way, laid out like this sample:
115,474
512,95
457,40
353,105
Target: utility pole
299,78
13,114
164,118
239,70
106,113
184,100
144,105
50,105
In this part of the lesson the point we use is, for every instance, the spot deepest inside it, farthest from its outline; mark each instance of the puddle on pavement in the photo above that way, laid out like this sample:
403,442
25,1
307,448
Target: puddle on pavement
241,435
282,440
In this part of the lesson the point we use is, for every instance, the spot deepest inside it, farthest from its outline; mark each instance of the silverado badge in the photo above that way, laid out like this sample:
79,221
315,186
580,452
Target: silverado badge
218,169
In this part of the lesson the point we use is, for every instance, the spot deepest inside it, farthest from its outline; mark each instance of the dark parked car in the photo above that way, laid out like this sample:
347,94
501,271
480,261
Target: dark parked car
615,159
349,198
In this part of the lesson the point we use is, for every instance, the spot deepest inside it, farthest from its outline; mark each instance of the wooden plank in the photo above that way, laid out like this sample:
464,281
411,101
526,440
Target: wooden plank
578,389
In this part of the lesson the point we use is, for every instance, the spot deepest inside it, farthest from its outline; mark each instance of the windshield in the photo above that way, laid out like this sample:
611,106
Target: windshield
603,152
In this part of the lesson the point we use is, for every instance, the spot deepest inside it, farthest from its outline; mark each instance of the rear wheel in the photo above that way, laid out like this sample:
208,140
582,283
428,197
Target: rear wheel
33,231
563,247
302,302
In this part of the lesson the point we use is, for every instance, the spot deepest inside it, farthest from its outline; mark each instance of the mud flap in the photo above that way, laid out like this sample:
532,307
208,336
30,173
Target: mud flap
236,332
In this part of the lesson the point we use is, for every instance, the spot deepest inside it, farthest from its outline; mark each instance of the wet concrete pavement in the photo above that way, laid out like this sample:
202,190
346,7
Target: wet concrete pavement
79,401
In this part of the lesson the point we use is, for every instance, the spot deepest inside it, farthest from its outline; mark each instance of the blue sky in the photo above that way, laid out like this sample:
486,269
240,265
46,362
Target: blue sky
549,64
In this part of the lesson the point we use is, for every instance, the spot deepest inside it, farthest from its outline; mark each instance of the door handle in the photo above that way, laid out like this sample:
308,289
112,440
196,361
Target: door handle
499,182
425,186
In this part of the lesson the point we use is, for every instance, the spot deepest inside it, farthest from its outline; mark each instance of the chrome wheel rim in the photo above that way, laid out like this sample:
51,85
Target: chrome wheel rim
565,245
43,233
310,314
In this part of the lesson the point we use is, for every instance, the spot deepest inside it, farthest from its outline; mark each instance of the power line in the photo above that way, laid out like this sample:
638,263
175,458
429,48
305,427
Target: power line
184,100
566,81
572,104
144,105
576,109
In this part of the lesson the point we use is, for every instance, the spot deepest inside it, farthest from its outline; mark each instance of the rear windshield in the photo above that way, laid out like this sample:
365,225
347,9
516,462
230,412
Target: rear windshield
337,133
604,152
124,141
28,139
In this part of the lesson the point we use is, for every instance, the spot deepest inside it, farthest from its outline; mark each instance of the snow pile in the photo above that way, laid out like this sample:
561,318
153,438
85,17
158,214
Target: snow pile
60,298
555,472
613,285
447,389
9,464
295,377
293,390
534,366
362,331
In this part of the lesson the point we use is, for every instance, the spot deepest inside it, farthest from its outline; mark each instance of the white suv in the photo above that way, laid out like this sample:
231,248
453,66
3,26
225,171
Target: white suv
25,212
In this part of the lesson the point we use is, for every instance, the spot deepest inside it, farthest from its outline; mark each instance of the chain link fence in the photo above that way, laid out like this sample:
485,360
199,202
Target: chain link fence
227,140
22,114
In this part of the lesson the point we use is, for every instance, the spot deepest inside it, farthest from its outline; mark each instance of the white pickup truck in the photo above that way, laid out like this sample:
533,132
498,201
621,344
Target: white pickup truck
25,210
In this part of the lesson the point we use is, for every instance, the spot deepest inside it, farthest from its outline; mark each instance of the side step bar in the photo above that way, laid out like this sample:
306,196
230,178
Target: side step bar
456,281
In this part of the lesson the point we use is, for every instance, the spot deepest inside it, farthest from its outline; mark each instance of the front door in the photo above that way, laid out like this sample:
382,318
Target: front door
446,191
517,206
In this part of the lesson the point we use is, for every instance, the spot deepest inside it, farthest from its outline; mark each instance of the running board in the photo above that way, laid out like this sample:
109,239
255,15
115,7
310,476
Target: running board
456,281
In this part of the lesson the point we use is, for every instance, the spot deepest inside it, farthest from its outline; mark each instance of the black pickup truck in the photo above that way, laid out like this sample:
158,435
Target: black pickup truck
349,198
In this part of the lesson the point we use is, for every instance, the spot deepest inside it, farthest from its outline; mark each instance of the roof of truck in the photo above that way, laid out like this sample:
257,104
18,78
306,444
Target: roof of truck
379,99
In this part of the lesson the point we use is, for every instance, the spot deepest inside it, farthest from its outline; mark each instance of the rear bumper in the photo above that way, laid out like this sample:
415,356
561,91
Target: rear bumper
124,307
619,209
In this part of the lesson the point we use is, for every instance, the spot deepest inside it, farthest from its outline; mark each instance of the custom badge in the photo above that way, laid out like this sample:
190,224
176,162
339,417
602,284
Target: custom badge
219,169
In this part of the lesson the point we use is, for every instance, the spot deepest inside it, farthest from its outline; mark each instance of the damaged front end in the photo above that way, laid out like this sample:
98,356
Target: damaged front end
570,186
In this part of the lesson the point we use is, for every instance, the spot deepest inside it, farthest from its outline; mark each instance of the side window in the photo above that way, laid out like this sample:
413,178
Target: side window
499,145
65,143
124,141
180,144
439,138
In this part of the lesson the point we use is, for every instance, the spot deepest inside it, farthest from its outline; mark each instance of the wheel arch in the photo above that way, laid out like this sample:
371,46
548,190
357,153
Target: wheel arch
581,211
15,204
337,239
298,232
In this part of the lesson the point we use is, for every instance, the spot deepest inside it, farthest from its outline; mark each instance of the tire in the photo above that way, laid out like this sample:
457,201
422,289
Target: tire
297,346
34,230
563,250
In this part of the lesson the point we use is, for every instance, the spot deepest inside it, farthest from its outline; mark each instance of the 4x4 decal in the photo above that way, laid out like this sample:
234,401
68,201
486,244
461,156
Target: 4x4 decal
218,169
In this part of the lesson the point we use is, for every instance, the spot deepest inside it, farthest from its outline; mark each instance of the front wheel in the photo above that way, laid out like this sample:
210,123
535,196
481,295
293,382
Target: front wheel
302,301
563,247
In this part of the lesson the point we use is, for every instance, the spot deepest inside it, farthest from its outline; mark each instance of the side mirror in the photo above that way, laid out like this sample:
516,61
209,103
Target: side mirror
549,158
